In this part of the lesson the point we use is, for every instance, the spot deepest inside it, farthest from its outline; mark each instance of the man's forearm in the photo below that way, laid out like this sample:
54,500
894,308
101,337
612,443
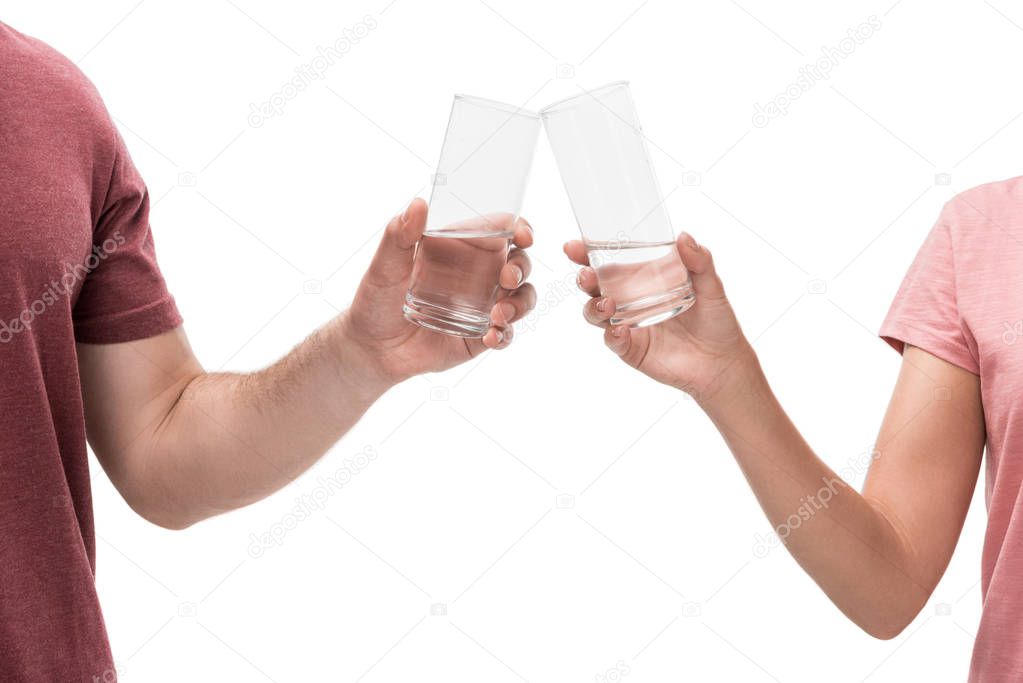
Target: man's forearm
181,444
835,534
231,439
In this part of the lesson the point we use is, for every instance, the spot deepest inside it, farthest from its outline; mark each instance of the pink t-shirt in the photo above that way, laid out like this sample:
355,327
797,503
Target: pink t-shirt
962,301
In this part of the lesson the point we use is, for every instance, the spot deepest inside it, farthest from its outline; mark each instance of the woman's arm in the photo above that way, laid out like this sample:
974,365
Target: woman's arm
877,555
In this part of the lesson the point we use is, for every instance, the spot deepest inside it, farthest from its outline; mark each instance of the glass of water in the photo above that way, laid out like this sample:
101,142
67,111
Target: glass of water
605,165
476,198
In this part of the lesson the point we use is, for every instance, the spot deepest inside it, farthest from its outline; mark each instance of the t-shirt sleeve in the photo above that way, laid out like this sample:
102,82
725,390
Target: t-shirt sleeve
123,295
925,312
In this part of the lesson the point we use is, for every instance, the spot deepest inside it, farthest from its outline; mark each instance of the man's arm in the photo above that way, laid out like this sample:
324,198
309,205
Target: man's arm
181,445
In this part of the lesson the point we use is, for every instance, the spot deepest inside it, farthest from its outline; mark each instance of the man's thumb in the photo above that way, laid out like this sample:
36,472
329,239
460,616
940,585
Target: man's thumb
392,264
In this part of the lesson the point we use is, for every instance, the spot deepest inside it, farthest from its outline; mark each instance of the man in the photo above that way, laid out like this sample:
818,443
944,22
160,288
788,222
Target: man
91,344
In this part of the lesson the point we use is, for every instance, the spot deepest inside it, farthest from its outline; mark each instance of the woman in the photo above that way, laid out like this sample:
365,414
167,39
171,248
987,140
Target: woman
879,554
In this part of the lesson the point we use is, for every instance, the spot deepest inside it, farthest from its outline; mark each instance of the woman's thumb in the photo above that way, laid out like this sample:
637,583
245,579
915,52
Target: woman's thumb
700,263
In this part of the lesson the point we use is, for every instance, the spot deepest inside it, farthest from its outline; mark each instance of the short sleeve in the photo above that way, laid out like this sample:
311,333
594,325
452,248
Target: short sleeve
123,295
925,312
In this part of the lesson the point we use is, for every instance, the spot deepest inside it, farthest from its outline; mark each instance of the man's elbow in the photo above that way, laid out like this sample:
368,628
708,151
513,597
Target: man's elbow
162,513
158,502
166,519
169,522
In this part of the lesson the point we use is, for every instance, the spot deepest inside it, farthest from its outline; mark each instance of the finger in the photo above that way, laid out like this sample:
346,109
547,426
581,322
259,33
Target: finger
576,252
392,263
599,310
498,337
522,234
515,272
618,338
514,306
586,280
700,263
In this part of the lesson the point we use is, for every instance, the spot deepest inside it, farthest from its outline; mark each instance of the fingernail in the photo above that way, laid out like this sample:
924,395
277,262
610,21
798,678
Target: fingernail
404,214
691,241
602,305
507,311
500,336
618,330
518,275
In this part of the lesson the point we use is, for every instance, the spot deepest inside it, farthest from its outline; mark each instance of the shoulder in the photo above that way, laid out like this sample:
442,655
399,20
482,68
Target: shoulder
991,207
42,85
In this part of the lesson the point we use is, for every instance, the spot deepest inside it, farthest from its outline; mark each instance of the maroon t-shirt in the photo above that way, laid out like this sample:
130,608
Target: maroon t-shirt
76,264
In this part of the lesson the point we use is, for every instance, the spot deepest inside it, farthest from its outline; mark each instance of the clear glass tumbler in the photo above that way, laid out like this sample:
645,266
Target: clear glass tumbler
477,195
605,165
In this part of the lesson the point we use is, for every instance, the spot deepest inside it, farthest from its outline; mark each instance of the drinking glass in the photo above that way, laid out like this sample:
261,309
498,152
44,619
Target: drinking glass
476,199
604,163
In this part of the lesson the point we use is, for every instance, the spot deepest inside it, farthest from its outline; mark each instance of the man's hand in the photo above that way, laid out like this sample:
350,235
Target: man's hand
400,349
700,351
181,444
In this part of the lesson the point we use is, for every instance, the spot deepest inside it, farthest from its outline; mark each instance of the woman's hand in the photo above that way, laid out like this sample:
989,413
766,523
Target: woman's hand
399,349
700,351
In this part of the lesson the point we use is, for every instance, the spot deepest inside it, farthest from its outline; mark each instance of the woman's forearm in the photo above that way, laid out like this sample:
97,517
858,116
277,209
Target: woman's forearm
877,555
843,540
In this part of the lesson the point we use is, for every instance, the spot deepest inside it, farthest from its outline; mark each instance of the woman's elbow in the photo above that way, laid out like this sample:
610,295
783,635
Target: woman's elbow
890,620
886,629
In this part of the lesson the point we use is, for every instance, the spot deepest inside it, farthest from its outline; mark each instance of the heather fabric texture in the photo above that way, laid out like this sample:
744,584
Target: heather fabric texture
962,301
76,264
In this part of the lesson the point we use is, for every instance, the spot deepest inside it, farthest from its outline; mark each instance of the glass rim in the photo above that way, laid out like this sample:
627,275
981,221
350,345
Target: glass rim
495,104
573,100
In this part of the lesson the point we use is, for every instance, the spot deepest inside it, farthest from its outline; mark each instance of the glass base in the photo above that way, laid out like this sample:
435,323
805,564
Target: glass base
454,321
652,310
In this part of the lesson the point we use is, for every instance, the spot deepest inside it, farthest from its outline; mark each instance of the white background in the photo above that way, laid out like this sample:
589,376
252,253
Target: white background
813,219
